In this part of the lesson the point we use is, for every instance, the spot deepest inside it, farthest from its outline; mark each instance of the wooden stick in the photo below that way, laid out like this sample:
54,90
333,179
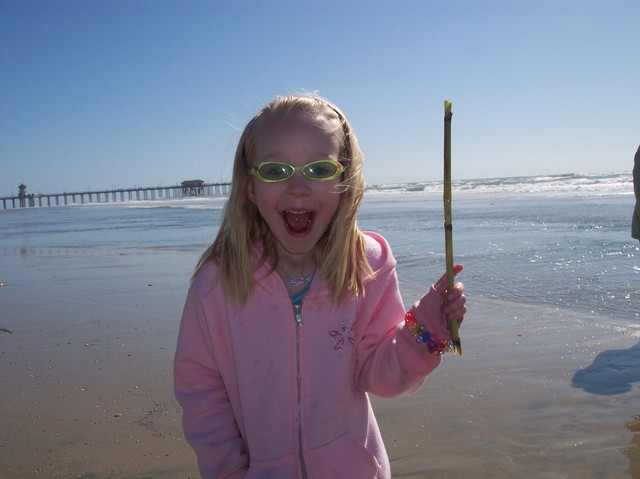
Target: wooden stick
448,225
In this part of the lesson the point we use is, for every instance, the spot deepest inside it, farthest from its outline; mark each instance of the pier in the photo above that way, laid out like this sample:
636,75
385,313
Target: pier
189,188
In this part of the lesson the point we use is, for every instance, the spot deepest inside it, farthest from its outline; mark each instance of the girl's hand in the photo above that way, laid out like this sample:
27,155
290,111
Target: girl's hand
439,304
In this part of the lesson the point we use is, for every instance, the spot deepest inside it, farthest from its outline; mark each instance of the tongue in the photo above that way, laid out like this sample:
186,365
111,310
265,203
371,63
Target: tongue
298,222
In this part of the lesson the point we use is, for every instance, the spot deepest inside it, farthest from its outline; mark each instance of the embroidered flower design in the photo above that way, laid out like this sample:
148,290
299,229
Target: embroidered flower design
342,336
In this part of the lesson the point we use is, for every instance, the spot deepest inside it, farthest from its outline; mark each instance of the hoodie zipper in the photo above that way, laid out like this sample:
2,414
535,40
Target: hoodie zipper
297,307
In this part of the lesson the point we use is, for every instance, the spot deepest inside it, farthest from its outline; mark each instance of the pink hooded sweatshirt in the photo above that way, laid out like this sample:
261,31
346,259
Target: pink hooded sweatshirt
269,392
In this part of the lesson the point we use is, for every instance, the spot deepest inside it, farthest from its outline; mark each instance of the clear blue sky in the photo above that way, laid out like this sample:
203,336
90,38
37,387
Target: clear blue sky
110,93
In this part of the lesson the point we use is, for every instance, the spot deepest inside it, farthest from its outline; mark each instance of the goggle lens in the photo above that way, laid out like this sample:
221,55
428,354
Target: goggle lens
272,171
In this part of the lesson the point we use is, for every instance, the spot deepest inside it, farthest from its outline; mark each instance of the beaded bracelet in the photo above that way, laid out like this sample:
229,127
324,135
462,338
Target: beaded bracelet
434,345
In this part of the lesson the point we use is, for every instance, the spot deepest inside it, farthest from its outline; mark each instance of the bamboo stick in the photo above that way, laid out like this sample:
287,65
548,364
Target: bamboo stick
448,224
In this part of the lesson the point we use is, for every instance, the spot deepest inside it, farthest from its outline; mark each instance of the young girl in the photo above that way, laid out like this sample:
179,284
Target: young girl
294,314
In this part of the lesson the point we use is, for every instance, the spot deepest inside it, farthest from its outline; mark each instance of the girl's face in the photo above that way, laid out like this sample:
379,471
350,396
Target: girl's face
297,210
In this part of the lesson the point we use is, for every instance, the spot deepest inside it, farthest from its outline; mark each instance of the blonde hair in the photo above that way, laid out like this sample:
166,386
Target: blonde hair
339,254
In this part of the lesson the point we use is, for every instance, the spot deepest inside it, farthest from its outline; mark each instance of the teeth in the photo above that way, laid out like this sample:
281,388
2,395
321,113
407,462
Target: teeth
297,212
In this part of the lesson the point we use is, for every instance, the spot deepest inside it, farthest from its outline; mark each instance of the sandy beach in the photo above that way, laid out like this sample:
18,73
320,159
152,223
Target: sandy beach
86,370
87,392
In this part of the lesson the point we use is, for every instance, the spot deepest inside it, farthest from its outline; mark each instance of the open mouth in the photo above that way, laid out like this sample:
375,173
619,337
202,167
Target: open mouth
298,221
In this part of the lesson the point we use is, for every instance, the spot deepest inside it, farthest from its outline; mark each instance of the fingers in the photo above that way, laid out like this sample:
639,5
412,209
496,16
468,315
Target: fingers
454,305
453,300
443,283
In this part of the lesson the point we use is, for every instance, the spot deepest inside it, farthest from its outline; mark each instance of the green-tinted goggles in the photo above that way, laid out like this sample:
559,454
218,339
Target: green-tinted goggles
321,170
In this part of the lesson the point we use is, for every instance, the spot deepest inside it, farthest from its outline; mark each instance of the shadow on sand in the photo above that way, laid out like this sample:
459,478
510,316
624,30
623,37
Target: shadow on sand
612,372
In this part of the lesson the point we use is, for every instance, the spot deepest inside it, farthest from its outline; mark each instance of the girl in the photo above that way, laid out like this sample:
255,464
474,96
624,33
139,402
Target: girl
294,314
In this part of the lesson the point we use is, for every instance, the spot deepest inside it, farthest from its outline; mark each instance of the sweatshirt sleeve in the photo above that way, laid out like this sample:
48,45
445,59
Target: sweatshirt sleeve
389,362
208,421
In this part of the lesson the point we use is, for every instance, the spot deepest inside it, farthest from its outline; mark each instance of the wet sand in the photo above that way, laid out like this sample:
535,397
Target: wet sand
87,392
552,396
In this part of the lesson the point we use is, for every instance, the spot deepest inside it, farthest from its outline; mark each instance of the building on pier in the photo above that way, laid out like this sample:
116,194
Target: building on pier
192,188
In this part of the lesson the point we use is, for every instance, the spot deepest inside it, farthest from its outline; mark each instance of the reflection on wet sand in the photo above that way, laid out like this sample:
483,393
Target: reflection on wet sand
633,451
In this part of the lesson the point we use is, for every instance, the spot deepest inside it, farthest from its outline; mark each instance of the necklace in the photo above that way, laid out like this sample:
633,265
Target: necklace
297,282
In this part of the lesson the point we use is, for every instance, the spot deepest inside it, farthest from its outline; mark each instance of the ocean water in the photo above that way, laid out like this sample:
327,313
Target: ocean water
558,241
